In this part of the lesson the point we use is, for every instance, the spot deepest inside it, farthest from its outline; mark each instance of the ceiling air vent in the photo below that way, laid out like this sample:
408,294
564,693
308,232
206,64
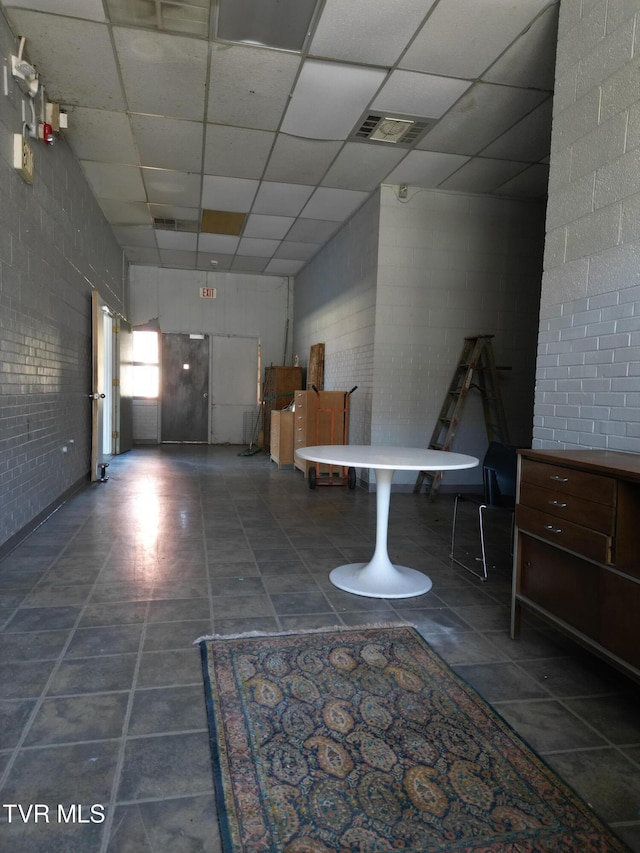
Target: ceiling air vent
392,129
186,225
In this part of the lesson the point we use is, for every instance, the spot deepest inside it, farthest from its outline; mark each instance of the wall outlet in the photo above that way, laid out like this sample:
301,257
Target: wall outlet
23,157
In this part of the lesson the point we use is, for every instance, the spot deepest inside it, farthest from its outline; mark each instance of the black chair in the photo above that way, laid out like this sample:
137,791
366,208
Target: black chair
499,479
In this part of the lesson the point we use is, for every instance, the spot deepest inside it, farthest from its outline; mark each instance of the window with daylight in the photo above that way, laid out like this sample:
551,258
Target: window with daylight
146,370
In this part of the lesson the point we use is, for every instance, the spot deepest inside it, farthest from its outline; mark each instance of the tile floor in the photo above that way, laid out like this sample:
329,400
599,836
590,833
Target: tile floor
101,699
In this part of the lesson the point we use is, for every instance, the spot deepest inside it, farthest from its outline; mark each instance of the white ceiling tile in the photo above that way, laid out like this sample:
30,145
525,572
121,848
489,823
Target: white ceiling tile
136,235
250,86
296,251
101,135
482,175
234,194
532,183
109,180
362,166
528,139
176,16
82,68
167,187
91,10
171,211
248,263
236,152
214,262
281,199
125,212
163,74
177,258
329,98
277,266
425,169
257,248
299,161
268,227
140,255
312,231
419,94
483,114
530,62
462,38
168,143
176,240
332,204
374,34
213,243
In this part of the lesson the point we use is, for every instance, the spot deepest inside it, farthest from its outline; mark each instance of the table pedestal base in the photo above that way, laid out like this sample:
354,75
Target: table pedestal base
389,582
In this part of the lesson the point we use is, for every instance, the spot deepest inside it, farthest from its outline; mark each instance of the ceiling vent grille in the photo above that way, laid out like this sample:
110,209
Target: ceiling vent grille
185,225
386,129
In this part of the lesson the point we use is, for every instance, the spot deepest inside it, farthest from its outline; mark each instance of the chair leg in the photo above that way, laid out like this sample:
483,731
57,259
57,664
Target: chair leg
453,526
453,558
482,545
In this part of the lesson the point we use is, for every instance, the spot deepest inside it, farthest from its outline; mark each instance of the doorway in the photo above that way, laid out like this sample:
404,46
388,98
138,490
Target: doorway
185,388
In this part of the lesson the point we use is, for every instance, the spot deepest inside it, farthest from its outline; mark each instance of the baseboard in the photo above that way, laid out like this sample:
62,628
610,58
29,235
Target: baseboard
18,538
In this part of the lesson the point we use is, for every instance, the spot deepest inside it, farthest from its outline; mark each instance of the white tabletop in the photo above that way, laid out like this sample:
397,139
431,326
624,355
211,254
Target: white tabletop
393,458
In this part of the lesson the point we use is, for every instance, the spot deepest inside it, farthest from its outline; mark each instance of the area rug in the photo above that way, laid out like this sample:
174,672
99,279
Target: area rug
364,740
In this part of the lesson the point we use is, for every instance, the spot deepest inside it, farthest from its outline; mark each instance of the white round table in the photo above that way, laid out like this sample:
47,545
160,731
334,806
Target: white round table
380,578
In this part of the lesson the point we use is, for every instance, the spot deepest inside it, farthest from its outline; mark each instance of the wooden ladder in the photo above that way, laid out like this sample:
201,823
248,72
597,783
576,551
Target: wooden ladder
476,369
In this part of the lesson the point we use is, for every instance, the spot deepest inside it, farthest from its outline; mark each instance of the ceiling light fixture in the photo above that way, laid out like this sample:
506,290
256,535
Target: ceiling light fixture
283,24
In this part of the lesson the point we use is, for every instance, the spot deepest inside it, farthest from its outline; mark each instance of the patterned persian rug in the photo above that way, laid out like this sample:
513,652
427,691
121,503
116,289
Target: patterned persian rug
359,741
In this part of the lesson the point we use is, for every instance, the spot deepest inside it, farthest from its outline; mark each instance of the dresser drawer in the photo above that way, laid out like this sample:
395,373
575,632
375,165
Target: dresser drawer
562,480
565,534
596,516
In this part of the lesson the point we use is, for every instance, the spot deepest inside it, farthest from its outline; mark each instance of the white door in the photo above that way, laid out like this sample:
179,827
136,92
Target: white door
234,386
101,377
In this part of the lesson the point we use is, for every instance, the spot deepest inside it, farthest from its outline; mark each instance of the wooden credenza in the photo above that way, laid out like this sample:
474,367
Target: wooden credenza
577,548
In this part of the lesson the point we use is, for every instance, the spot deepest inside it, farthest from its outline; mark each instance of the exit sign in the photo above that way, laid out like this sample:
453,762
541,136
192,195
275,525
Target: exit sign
208,292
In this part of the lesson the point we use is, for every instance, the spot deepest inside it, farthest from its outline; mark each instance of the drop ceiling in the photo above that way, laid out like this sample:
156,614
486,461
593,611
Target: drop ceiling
175,126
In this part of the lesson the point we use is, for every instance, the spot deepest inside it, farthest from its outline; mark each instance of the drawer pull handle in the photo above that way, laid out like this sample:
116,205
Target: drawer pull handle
558,479
560,504
552,529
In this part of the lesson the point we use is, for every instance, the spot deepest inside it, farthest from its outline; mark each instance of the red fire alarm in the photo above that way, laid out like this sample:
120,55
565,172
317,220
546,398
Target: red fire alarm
45,132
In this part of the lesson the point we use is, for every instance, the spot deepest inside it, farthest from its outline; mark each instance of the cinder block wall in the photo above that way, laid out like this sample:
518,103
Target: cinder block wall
453,265
588,368
55,248
393,295
335,303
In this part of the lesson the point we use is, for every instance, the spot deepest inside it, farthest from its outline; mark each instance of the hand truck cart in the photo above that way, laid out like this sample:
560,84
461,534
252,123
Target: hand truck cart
348,475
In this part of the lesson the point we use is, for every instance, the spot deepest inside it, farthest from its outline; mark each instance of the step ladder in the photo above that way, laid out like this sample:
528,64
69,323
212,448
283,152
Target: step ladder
476,370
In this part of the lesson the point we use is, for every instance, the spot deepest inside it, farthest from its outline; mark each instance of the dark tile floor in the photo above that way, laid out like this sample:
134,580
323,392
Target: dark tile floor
101,693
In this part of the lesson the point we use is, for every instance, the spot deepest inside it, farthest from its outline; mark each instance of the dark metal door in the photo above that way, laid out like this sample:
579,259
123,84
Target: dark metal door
185,388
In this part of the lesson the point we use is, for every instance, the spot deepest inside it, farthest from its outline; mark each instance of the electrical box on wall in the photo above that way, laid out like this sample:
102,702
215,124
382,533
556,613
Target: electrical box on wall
23,157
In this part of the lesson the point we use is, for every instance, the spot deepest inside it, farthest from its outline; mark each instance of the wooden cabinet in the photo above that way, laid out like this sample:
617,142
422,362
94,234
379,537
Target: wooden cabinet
281,440
319,419
280,385
577,552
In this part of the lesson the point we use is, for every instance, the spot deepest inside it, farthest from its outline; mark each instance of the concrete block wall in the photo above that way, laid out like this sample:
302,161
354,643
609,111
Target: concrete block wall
335,303
251,306
588,367
453,265
55,248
